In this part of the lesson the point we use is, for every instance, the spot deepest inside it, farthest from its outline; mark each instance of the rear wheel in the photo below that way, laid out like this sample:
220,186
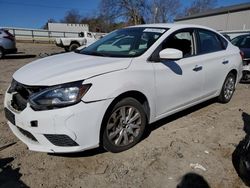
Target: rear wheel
124,125
227,88
73,46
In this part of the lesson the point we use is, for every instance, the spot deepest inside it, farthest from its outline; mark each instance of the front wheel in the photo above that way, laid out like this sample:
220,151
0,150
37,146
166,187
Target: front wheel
227,88
124,125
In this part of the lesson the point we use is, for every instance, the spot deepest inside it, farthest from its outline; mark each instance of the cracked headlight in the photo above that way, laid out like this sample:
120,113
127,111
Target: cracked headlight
59,96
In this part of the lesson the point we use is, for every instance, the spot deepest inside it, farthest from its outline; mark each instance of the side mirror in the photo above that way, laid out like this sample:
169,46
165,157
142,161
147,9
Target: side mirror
171,53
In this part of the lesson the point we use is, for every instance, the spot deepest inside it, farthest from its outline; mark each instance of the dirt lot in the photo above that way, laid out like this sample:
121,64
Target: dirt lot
206,134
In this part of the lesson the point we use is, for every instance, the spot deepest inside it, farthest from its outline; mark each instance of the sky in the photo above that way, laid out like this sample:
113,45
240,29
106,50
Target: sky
35,13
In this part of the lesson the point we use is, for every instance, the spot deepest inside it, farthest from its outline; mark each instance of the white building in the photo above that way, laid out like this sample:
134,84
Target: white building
231,18
68,27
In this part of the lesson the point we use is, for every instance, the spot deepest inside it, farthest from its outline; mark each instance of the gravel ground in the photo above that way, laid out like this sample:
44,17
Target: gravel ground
206,134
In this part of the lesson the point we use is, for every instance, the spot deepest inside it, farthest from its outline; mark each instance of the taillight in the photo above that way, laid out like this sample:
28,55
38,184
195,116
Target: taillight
242,55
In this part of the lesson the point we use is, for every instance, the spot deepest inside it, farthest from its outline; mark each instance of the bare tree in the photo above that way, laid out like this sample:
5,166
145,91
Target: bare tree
51,20
199,6
130,11
162,11
72,16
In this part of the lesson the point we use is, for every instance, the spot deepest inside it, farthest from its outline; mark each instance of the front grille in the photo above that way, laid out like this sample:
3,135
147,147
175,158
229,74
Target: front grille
60,140
21,94
27,134
18,102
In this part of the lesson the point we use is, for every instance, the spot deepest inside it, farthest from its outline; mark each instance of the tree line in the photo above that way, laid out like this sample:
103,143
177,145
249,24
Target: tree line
113,14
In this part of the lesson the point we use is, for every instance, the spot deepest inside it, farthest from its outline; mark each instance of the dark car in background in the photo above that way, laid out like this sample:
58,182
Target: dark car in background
243,42
7,43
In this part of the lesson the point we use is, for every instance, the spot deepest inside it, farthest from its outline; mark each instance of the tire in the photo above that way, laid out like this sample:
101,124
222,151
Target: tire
73,47
1,53
123,125
227,88
66,49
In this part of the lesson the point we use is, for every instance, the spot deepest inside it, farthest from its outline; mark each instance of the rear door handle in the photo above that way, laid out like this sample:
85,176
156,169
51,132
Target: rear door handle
225,62
197,68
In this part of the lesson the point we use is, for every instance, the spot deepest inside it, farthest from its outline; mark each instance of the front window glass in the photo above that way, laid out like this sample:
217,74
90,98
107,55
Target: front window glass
182,41
129,42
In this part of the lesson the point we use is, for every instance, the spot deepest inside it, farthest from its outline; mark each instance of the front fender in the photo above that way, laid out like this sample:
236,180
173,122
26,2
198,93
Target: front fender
113,84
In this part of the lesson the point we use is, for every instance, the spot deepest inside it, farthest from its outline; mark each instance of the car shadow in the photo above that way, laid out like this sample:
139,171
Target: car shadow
241,154
246,120
172,65
193,180
10,177
87,153
19,55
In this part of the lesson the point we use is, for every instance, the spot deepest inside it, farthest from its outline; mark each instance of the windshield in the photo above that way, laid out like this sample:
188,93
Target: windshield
129,42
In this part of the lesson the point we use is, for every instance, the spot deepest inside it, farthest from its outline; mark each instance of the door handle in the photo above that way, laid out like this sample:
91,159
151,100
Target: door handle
225,62
197,68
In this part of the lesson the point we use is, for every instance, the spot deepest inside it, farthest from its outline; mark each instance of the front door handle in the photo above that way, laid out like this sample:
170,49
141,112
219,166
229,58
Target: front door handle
225,62
197,68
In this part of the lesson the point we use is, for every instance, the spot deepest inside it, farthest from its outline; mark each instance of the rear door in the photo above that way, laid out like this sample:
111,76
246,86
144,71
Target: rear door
214,59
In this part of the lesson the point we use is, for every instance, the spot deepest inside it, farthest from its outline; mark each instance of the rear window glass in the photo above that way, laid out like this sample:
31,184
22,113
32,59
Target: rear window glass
245,43
209,42
8,33
223,41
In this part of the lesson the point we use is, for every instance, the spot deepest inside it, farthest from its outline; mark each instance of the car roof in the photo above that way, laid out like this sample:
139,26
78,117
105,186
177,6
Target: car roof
172,25
244,35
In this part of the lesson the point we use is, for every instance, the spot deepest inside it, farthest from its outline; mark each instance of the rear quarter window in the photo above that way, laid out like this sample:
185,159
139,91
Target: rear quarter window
224,42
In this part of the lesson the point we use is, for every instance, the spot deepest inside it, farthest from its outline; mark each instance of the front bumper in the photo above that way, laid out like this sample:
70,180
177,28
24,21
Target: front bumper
70,129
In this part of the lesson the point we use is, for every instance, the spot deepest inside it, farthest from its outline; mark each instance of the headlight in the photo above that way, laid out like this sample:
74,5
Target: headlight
58,96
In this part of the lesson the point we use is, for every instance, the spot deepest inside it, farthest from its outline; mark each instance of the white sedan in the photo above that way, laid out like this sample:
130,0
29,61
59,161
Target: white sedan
108,93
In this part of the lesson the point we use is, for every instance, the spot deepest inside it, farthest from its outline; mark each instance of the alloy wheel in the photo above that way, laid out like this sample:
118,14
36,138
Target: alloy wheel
124,125
229,88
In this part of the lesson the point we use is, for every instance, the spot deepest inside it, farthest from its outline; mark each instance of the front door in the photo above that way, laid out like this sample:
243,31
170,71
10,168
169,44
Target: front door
178,83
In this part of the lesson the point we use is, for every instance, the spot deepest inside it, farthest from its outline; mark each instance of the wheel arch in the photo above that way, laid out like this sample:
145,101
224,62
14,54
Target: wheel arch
234,71
74,42
139,96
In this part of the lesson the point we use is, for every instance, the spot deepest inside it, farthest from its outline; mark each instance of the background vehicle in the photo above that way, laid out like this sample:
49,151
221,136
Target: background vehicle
7,43
243,42
109,92
70,44
227,36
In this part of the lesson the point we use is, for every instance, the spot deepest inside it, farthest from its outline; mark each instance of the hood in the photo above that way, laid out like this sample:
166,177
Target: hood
67,67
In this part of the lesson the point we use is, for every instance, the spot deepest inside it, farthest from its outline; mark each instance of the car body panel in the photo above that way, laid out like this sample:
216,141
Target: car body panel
67,67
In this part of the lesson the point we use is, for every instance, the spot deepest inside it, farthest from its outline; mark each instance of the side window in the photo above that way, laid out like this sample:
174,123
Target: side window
237,40
223,41
245,43
182,40
209,42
